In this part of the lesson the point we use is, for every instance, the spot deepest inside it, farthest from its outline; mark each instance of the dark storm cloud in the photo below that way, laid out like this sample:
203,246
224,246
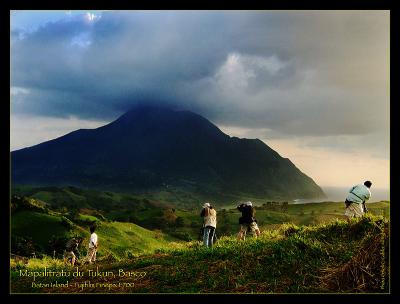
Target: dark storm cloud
296,73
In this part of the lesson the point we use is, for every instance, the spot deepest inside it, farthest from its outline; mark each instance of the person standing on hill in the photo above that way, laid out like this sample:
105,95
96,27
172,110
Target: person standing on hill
71,247
247,221
355,200
210,223
93,244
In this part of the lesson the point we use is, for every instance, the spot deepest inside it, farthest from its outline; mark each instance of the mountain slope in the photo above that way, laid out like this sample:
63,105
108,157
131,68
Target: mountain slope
152,148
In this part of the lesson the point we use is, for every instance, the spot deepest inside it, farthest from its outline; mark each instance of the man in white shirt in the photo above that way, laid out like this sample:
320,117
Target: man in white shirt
93,243
355,200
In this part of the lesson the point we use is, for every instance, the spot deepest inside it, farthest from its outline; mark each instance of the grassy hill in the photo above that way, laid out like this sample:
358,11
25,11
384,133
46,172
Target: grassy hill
127,240
304,248
83,206
36,231
37,226
325,258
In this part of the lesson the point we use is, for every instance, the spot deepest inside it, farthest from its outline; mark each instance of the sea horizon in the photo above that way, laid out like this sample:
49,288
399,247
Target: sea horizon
338,194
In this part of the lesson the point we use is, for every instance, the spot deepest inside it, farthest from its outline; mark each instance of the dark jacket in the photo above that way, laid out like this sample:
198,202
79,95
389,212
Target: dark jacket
204,212
247,214
72,245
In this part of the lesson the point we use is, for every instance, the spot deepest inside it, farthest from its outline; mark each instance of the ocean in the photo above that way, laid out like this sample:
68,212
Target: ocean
338,194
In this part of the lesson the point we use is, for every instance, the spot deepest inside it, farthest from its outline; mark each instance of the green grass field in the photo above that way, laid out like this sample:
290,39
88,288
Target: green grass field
108,207
123,240
304,248
337,257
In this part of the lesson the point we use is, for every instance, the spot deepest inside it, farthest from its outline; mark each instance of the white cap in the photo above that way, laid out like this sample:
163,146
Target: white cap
206,205
249,204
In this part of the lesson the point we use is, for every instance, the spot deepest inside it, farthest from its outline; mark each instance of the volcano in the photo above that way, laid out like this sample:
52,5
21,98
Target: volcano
152,147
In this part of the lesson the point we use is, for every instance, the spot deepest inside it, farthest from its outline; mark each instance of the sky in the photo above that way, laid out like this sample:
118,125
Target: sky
313,85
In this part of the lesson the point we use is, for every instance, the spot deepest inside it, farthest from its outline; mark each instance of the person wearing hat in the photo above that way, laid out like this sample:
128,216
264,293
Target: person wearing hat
209,223
247,221
355,200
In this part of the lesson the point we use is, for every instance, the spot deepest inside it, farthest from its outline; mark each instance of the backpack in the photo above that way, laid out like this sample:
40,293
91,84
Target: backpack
71,245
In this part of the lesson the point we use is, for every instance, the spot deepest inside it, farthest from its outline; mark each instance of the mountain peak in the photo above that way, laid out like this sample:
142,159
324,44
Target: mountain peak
150,146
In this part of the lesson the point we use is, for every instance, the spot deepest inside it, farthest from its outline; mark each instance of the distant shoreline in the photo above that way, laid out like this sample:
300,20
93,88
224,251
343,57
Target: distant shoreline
338,194
306,201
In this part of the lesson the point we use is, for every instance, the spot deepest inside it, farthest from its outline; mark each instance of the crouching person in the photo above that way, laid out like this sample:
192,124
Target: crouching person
72,247
355,200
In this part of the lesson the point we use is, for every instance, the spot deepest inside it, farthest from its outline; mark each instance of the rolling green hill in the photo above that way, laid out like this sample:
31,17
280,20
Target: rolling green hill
304,248
337,257
184,224
128,240
38,231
